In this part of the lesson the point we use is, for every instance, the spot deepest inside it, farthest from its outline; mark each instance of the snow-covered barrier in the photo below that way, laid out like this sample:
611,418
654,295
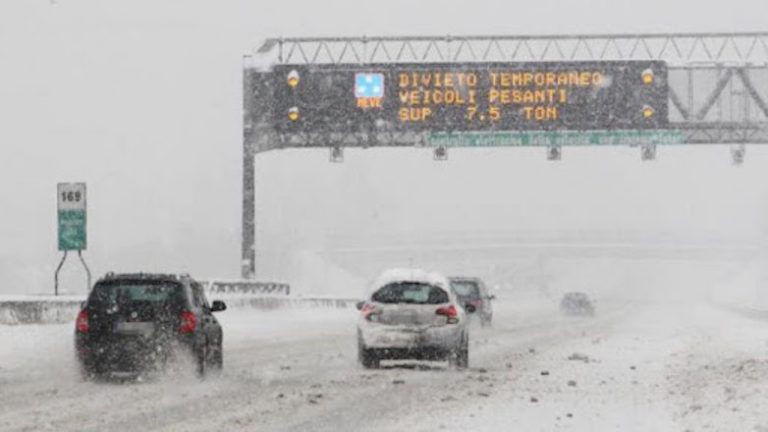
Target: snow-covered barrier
745,310
38,311
52,311
269,303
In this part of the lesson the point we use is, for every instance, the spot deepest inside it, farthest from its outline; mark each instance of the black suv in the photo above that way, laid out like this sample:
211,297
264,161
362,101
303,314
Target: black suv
137,322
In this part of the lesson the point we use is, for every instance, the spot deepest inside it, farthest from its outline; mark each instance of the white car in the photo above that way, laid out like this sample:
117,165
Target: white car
412,314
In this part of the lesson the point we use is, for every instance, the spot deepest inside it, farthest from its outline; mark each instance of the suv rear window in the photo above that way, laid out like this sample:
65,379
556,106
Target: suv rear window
466,289
152,292
410,293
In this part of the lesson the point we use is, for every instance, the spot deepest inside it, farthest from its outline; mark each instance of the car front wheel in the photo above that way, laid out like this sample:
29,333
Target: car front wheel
367,357
460,356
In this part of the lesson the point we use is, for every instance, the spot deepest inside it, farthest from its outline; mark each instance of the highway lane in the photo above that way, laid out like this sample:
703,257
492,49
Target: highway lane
284,369
295,370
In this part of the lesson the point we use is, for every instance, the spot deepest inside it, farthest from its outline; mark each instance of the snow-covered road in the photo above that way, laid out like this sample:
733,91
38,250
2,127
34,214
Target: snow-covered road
634,367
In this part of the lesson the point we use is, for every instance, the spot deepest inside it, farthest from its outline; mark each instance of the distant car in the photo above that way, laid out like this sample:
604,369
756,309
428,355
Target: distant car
577,303
412,314
472,291
137,322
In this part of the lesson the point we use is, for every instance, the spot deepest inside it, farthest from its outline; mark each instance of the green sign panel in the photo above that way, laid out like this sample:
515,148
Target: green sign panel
555,138
72,216
72,235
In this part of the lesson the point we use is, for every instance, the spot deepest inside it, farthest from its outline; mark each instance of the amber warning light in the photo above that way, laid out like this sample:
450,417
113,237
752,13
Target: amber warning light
293,114
648,77
648,112
293,79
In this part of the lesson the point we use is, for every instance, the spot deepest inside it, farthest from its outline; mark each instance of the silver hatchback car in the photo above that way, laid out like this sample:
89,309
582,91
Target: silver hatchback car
412,314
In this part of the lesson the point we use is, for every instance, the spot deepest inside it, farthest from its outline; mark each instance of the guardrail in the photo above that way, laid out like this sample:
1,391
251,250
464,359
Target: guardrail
57,311
246,287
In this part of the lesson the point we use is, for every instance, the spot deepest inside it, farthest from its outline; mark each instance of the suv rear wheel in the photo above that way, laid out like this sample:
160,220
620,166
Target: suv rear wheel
202,361
87,373
218,358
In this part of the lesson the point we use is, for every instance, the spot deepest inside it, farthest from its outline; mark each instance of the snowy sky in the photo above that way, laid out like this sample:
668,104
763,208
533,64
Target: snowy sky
142,99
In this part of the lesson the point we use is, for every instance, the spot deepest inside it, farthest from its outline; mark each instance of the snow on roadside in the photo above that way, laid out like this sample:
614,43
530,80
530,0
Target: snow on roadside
720,382
37,349
679,367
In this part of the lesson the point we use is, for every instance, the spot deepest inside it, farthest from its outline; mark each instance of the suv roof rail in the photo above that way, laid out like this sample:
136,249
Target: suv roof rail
142,275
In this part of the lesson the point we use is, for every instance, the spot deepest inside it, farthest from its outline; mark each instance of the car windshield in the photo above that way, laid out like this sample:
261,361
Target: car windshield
410,293
466,289
126,292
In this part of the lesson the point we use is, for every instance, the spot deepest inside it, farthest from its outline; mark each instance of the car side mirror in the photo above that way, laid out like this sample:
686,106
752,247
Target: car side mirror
359,305
218,306
491,297
469,307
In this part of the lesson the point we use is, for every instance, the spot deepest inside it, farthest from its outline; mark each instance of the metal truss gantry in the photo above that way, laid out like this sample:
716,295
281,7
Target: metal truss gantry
718,85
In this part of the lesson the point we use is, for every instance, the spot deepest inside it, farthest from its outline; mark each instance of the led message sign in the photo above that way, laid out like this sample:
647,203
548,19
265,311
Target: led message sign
471,97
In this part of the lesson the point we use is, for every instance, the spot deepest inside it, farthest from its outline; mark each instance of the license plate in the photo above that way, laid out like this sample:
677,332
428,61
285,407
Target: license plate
140,328
403,336
413,330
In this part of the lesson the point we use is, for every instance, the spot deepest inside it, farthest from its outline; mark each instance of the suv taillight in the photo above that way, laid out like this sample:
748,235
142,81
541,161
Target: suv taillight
449,312
188,322
81,323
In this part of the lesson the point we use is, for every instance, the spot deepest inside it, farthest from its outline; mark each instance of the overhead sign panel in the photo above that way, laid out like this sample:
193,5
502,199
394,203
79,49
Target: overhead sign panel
630,95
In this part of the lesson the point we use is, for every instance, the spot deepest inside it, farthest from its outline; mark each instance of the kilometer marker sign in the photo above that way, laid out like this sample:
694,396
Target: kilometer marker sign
72,216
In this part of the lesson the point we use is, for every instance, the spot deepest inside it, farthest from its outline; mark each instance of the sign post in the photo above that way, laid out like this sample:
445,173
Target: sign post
72,230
